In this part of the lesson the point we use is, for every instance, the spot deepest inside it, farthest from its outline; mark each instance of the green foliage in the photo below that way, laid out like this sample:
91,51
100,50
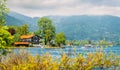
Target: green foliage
46,29
3,11
80,27
16,37
5,37
24,29
60,38
49,35
103,42
20,30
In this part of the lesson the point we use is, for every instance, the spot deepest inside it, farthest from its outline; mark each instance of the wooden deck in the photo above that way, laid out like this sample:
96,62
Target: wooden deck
21,43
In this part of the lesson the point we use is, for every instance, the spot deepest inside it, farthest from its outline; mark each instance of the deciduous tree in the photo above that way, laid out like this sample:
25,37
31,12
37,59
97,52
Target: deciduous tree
46,29
60,38
20,30
3,11
5,37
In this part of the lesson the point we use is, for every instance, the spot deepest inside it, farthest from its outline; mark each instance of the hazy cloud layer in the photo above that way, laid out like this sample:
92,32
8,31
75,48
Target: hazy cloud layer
115,3
65,7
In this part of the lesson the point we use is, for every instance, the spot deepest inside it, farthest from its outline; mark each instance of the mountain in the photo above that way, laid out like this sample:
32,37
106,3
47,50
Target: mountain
89,27
76,27
17,19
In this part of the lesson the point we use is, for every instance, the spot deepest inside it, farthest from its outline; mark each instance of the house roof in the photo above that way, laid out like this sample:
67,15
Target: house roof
21,43
26,36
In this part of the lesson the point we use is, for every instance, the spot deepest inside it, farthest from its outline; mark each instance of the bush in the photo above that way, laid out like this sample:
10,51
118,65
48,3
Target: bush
25,61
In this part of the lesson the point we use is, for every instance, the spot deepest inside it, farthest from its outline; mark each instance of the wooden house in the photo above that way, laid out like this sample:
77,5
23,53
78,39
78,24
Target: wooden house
28,39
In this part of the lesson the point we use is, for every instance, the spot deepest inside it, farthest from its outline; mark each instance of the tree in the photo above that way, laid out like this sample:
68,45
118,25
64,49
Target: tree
24,29
48,36
3,10
46,29
12,31
17,37
6,38
60,38
20,30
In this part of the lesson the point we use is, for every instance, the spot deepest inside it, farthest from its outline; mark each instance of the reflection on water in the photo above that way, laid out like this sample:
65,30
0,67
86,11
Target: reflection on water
69,50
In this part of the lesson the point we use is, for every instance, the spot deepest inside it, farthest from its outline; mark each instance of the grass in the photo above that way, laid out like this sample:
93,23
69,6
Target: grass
26,61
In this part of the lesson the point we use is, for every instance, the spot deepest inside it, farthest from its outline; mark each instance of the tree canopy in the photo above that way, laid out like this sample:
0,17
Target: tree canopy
3,11
20,30
5,37
60,38
46,29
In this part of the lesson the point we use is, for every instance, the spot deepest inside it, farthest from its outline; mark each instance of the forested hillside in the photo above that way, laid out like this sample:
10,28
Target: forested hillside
75,27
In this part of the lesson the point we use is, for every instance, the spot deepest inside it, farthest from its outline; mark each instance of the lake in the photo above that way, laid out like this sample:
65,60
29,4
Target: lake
69,50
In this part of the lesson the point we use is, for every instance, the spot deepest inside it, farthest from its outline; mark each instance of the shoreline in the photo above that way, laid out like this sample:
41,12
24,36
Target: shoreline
47,47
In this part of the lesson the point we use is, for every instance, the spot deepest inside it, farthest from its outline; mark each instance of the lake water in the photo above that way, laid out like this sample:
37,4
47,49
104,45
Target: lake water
69,50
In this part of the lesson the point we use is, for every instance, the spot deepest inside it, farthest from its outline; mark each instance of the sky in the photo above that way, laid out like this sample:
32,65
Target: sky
39,8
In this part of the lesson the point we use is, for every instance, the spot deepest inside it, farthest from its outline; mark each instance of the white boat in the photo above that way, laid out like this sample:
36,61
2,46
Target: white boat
88,45
38,45
82,47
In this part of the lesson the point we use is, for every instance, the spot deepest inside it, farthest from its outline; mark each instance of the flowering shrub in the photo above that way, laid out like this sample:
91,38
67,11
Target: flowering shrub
26,61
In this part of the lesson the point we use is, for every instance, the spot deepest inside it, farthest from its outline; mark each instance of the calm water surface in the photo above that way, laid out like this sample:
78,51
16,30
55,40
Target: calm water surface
70,50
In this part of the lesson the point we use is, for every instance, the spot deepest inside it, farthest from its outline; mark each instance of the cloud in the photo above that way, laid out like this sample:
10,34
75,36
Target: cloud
41,4
65,7
115,3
